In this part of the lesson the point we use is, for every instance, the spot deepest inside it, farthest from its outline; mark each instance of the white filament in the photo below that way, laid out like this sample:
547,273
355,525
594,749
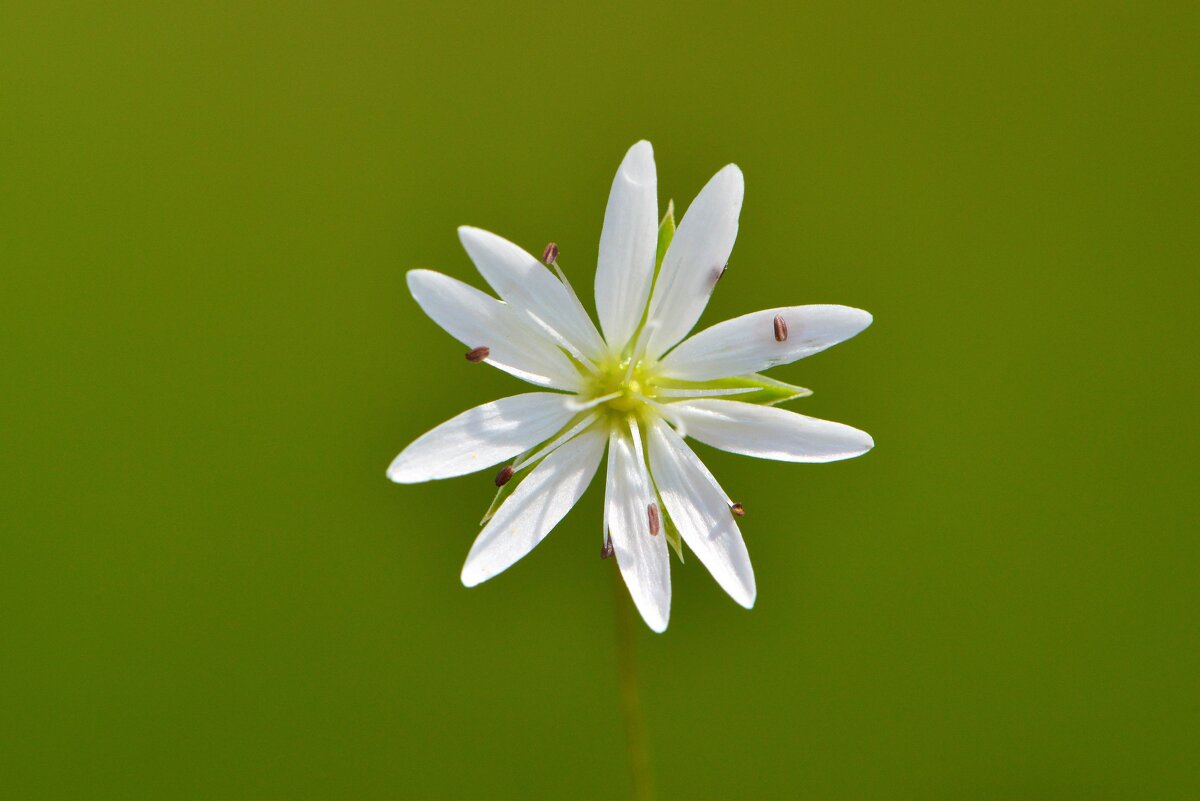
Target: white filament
557,442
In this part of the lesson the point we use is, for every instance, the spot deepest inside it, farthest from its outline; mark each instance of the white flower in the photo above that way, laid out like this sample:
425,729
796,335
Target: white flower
631,388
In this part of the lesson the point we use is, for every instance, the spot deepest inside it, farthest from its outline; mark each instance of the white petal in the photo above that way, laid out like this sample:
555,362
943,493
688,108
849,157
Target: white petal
535,507
525,284
693,262
627,246
747,344
482,437
701,513
477,319
769,433
641,557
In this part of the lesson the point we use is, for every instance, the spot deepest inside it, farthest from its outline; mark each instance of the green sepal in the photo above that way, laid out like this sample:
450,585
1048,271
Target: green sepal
502,493
501,496
763,390
666,232
673,538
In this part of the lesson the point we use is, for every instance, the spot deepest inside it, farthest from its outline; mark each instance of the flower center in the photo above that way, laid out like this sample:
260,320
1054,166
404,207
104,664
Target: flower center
630,386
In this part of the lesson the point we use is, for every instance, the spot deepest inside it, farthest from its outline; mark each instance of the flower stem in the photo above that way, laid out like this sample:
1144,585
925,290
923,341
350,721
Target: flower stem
631,701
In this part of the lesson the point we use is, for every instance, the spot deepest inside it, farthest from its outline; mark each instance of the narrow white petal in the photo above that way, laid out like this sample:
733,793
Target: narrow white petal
535,507
525,284
643,559
748,344
482,437
701,513
628,243
693,262
769,433
672,392
477,319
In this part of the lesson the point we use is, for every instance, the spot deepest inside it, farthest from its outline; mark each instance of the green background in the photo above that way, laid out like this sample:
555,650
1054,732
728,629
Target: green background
210,590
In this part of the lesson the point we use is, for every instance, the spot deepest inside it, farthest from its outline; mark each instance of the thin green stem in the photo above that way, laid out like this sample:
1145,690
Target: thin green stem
631,701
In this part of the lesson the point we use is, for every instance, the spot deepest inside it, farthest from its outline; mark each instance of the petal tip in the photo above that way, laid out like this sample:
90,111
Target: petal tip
732,173
638,166
641,147
468,234
401,473
473,572
414,278
864,445
656,617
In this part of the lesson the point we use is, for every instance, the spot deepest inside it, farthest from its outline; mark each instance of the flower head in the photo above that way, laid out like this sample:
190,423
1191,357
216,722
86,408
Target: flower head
631,388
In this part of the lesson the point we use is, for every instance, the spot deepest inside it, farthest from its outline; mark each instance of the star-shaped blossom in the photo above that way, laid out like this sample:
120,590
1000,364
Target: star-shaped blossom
631,388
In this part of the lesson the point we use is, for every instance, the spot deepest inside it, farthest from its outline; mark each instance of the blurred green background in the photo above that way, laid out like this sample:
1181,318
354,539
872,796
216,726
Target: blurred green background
210,590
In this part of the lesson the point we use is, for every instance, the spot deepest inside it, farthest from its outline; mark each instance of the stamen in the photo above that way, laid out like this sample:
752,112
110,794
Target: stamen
644,479
633,361
476,355
665,412
671,392
610,473
634,355
579,406
557,442
550,259
565,282
780,328
738,510
504,475
719,273
562,341
607,550
636,431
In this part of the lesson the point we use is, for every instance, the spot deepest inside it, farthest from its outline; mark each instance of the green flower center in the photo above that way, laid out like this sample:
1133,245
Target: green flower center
631,387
